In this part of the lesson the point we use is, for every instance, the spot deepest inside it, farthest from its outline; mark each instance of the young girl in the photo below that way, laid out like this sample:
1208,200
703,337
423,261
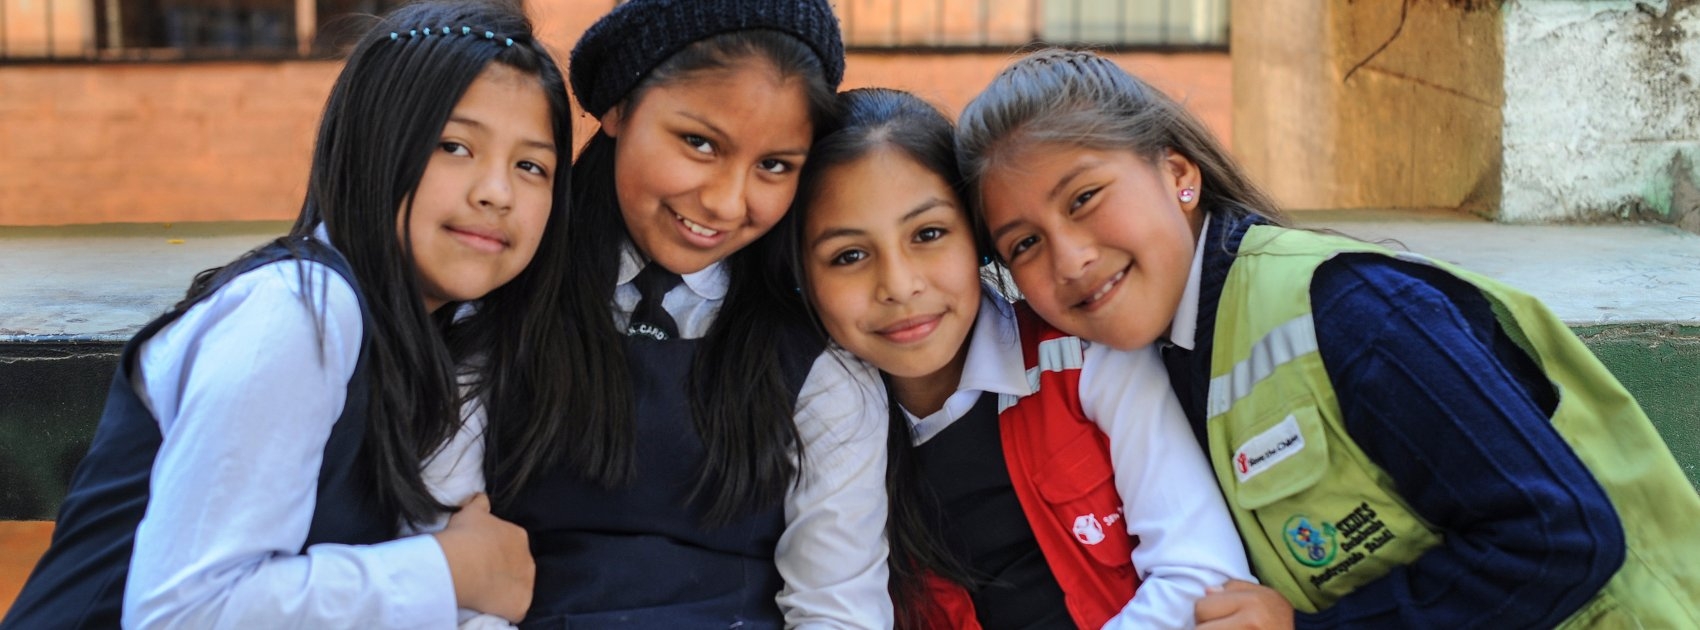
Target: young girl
263,439
719,469
1402,443
1064,474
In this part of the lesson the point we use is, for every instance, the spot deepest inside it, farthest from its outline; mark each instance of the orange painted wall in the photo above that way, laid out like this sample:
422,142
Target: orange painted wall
223,141
92,143
21,544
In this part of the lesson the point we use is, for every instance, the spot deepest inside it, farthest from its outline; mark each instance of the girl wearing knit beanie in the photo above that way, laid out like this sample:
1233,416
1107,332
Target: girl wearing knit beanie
724,468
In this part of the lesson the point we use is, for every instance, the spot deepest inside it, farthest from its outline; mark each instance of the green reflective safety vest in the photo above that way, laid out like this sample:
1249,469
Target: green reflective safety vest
1320,519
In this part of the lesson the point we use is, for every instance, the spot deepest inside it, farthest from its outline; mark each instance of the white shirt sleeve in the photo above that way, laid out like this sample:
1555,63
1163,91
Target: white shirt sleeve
454,474
833,552
246,387
1186,538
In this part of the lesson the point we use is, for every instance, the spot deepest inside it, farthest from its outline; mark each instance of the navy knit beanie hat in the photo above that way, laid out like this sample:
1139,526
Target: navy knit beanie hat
622,47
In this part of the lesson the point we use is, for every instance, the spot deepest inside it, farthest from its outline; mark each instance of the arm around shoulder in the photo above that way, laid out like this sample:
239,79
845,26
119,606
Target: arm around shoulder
1187,540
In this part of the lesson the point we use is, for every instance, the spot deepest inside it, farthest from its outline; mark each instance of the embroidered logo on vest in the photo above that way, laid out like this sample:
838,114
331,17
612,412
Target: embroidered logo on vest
1268,448
1358,535
1087,530
646,330
1310,545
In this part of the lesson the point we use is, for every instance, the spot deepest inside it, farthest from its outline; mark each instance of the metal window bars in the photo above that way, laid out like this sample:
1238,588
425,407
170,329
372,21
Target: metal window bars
981,25
87,30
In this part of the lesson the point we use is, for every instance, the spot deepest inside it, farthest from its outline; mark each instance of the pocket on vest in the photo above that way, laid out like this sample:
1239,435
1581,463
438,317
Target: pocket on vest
1277,457
1078,486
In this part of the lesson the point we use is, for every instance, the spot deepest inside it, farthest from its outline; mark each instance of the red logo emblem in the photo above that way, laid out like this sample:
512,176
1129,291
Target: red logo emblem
1243,467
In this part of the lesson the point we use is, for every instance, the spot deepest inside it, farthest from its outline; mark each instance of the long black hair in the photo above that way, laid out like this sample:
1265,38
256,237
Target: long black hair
382,122
877,119
738,392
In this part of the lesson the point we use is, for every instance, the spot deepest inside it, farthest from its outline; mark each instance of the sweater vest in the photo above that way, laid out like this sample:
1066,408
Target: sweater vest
79,582
1059,464
1320,519
640,555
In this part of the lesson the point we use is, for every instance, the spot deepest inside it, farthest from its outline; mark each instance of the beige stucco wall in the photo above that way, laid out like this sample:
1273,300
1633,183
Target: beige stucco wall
1326,116
1549,111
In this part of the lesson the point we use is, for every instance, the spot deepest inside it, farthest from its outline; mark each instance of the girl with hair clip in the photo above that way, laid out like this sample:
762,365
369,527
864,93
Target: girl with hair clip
720,468
1035,482
1402,443
263,440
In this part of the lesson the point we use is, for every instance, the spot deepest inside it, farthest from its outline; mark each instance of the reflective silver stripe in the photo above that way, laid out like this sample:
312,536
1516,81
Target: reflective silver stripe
1005,401
1055,355
1062,353
1286,342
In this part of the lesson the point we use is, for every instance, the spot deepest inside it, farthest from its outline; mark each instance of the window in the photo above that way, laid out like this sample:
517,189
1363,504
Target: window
1003,24
147,30
180,29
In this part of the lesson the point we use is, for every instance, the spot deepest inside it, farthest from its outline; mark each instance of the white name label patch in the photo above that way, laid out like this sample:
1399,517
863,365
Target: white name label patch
1268,448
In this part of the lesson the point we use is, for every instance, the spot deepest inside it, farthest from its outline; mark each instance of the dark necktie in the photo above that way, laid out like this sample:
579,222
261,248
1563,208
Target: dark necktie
649,319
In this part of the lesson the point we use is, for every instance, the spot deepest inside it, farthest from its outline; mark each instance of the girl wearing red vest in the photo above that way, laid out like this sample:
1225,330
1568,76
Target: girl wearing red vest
1035,481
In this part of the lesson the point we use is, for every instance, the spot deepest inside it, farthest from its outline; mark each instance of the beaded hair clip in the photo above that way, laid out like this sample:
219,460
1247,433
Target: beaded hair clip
464,30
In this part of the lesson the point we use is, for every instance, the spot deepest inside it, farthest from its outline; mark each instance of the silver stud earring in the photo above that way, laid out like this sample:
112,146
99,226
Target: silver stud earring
1187,195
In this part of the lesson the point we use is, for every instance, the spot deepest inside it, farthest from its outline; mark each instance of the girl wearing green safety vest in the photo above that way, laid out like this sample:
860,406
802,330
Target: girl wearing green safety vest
1402,443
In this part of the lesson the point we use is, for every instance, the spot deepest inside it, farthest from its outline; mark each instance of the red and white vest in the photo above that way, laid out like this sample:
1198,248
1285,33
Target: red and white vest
1059,464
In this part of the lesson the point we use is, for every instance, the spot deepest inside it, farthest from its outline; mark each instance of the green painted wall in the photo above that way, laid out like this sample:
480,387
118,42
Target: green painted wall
51,394
1660,365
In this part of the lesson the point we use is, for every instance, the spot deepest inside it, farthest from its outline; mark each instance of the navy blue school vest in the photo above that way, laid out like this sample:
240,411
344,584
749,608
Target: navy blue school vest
79,582
986,529
639,556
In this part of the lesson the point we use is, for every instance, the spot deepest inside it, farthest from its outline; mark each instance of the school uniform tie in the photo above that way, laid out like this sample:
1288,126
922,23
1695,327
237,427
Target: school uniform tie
649,319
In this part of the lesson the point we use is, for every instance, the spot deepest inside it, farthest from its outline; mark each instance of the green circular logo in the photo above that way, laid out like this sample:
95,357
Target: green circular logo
1312,546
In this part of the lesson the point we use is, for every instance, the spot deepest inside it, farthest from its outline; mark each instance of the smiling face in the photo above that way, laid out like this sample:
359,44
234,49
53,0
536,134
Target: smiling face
1098,241
707,164
891,265
480,208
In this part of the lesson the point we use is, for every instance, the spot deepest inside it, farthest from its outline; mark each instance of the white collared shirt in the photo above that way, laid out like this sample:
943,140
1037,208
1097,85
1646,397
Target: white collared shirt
453,475
1183,331
693,304
832,554
246,388
1186,539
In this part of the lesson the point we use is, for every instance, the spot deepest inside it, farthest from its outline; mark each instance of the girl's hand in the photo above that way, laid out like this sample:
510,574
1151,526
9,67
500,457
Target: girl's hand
1243,605
489,559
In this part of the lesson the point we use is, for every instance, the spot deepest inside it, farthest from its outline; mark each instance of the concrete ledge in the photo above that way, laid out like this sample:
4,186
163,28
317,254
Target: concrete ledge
1631,292
103,282
73,295
1589,275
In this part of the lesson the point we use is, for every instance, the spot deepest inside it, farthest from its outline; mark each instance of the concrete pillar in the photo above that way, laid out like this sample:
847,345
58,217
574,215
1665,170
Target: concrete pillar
1602,111
1525,111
